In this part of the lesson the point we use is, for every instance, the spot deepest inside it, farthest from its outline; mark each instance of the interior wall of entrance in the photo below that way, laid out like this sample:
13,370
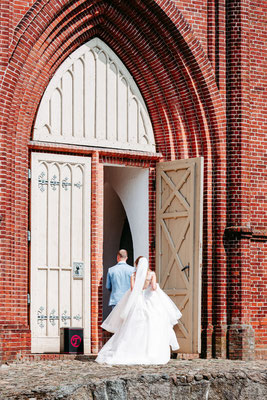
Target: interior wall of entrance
125,217
114,220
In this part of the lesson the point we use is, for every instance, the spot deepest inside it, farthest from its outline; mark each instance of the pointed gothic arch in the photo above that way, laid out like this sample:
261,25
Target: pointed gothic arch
93,100
159,48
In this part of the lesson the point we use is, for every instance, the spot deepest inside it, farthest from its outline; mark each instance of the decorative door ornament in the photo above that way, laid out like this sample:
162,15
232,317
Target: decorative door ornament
53,318
65,183
41,318
42,182
65,317
54,182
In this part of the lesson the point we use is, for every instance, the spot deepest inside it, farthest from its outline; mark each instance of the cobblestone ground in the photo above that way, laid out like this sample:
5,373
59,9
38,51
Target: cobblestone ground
85,379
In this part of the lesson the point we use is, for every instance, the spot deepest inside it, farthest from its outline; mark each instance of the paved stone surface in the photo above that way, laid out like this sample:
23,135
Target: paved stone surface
85,379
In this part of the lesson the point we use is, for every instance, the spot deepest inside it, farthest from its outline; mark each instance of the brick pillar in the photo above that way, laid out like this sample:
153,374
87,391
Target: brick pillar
241,342
240,337
217,55
96,252
152,217
237,235
207,265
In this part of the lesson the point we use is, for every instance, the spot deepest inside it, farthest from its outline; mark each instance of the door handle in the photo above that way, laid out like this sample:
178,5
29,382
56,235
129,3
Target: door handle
186,270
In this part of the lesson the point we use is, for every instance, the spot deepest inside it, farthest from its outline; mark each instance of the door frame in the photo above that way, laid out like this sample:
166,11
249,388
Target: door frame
100,158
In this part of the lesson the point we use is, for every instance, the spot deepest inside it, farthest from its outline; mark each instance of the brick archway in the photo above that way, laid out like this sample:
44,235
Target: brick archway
176,80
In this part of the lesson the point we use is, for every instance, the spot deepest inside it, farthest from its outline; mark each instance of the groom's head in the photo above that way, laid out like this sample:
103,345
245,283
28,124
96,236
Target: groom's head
122,255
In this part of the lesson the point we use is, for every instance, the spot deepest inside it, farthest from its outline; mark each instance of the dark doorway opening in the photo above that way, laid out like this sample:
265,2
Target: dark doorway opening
117,234
127,241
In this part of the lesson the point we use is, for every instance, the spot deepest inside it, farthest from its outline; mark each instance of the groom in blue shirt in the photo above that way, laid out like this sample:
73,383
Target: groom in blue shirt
119,278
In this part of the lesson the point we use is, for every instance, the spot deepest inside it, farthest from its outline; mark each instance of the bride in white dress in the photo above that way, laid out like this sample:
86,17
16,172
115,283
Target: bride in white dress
142,323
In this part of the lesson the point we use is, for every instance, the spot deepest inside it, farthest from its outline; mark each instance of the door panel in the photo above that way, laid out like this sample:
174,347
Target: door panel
60,248
179,243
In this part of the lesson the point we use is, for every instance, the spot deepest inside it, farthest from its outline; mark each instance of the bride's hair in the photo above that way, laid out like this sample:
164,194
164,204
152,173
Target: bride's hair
137,260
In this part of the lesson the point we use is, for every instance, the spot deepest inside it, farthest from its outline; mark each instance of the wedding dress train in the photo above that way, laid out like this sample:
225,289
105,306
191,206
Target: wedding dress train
142,323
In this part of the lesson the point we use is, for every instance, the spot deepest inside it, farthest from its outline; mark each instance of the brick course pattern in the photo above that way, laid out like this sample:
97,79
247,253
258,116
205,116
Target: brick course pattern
200,67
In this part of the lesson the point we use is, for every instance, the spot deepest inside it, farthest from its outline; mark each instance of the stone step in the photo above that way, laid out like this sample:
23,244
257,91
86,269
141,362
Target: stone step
178,380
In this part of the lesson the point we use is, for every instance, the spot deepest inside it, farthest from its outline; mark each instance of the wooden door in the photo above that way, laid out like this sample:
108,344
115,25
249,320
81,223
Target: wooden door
60,248
179,243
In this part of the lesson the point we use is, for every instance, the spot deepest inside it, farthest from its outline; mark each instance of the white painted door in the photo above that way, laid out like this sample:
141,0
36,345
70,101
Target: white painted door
179,243
60,248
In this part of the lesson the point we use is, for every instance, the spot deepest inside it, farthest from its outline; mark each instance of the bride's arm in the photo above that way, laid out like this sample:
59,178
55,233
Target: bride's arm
132,281
154,281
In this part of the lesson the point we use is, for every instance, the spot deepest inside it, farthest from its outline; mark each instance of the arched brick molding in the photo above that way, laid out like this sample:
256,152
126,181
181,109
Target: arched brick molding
176,80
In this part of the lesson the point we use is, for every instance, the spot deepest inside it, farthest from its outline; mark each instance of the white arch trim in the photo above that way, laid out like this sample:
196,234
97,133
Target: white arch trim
92,100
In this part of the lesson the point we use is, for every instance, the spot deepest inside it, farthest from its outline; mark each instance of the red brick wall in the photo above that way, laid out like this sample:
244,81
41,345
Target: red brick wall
258,110
96,250
195,65
197,13
258,161
258,306
246,149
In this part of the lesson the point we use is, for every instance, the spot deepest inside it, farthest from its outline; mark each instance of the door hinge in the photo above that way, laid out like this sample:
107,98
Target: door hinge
154,184
28,298
29,173
153,243
29,236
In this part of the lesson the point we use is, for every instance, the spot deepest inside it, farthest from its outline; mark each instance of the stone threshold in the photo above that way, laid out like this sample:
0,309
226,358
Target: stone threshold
55,357
88,357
